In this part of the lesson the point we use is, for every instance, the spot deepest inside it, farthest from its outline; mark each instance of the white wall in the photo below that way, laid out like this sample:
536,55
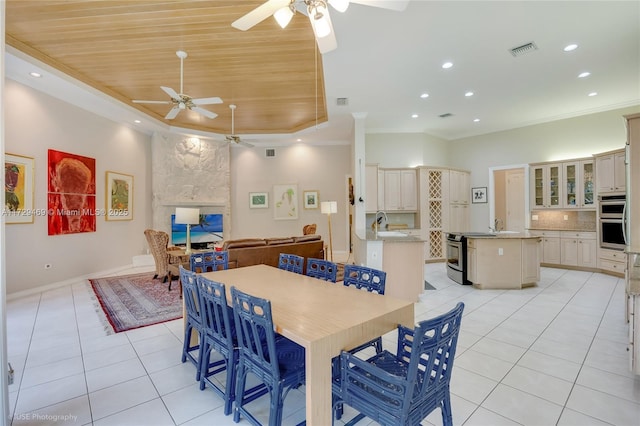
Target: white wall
323,169
406,150
37,122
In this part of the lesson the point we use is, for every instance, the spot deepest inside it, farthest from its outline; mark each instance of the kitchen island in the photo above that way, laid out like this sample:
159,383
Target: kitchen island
503,260
400,255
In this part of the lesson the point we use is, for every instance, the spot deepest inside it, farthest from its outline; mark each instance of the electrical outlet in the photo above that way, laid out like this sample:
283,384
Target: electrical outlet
566,217
48,266
534,217
500,251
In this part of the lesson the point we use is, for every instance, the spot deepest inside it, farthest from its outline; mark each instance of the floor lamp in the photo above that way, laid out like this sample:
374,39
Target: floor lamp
185,216
328,208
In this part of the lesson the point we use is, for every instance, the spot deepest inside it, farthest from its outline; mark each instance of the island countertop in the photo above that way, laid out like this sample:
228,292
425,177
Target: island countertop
499,235
386,236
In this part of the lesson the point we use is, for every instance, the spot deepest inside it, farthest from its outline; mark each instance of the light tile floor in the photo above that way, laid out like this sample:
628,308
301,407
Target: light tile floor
554,354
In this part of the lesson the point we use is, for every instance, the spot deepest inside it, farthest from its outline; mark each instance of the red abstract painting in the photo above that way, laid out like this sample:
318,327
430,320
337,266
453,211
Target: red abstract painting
72,193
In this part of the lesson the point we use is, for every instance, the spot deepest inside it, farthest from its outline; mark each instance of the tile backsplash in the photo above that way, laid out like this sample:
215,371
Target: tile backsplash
555,219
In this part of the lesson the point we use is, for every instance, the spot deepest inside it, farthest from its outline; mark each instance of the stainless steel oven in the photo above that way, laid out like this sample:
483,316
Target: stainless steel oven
457,258
611,221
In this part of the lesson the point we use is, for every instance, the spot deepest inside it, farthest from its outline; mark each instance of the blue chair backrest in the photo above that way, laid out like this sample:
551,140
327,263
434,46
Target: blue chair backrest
254,328
370,279
209,261
216,313
291,262
322,269
190,294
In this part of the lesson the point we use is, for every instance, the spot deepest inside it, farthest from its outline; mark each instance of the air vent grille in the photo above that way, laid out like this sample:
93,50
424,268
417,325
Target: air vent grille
445,115
342,101
525,48
270,152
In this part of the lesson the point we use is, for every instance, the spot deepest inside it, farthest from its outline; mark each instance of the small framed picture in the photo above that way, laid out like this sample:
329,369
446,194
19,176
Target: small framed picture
311,199
479,195
119,196
258,200
18,188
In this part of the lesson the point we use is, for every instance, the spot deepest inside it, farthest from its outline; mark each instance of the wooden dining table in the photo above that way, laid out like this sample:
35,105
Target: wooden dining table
321,316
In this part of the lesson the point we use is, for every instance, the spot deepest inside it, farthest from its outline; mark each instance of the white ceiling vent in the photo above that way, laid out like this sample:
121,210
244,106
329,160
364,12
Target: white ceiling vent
270,152
342,101
525,48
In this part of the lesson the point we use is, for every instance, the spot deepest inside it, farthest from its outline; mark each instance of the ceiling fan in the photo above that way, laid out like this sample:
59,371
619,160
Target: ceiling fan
233,137
181,101
316,10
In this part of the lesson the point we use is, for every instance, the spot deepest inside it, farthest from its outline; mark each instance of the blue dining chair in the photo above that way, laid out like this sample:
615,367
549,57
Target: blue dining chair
219,336
209,261
291,262
193,320
280,364
322,269
403,388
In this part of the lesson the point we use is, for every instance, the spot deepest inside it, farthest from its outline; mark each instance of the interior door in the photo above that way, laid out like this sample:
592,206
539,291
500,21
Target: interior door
514,194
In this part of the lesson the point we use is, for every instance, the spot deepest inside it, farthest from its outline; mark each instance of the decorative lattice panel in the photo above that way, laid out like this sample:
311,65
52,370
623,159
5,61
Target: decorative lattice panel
435,184
435,214
435,244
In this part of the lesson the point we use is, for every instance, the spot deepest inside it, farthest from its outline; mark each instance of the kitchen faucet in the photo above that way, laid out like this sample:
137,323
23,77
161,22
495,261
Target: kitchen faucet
376,224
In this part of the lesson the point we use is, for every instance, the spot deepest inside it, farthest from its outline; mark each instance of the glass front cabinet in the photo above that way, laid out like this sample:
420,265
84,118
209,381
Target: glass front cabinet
546,191
578,178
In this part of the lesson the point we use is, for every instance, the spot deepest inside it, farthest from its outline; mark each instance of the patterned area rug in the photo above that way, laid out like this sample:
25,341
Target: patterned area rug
138,300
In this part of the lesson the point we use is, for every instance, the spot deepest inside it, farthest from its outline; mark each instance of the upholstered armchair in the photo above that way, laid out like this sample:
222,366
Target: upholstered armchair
158,242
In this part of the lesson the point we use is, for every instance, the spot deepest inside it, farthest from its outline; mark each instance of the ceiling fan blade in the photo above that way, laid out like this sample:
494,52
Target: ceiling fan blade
204,112
169,91
172,113
207,101
243,143
136,101
398,5
328,42
259,14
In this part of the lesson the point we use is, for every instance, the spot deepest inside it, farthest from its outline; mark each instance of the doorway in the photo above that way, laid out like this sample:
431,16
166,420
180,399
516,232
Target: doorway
509,205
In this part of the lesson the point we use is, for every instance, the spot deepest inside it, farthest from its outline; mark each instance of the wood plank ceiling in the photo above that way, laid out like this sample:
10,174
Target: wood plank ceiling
127,49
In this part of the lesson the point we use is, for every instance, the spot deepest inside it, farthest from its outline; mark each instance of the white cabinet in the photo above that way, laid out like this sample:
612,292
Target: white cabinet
546,188
549,246
610,172
371,185
459,187
458,218
612,261
578,184
400,190
578,249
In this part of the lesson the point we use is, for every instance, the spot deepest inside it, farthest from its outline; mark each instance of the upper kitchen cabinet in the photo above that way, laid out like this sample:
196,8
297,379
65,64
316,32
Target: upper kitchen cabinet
459,187
546,188
578,184
374,197
610,169
400,190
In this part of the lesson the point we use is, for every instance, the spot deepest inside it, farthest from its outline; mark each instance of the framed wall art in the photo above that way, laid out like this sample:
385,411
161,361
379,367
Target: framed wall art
71,197
285,201
311,199
118,196
18,188
479,195
258,200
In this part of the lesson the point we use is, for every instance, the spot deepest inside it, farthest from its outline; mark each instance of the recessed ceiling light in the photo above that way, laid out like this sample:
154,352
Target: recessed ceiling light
584,74
424,95
593,94
137,121
468,94
475,120
298,140
570,47
414,115
35,74
447,65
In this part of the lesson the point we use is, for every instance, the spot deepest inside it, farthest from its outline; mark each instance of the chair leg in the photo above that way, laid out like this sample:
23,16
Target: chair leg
447,418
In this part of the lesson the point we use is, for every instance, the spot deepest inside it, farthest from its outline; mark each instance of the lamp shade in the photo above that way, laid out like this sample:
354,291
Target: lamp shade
329,207
186,216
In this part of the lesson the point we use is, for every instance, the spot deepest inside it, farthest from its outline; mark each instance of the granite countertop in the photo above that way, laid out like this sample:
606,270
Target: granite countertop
371,236
562,229
500,235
